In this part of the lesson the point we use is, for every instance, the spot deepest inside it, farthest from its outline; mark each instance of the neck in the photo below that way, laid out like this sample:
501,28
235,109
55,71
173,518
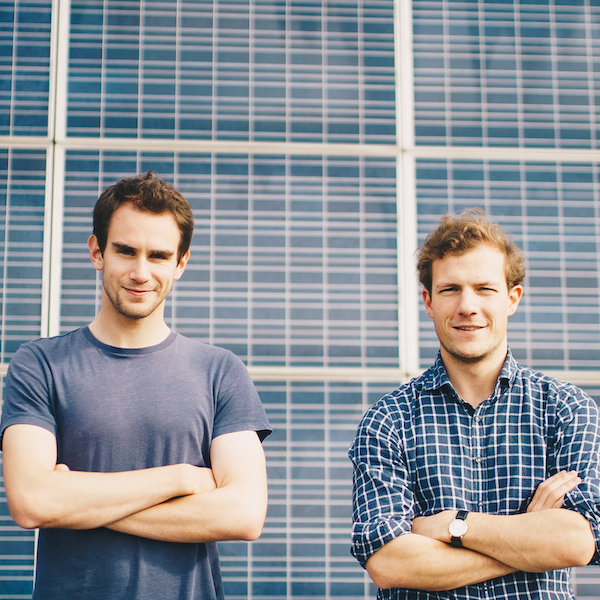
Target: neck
114,329
474,382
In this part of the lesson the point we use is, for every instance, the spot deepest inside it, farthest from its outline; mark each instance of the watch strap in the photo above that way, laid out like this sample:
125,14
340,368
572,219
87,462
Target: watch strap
460,516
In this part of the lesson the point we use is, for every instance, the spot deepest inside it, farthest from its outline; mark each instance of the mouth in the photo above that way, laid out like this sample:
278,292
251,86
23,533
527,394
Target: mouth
137,292
469,327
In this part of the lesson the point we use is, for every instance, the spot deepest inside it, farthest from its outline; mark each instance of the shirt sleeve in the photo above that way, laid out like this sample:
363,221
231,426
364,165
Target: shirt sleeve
577,448
27,396
383,502
238,405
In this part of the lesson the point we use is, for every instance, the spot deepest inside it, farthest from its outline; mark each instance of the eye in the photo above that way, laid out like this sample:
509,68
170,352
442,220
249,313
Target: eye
159,256
126,251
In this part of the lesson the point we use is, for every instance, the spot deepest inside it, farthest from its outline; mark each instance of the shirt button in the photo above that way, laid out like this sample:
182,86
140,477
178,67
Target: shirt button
480,503
478,460
477,419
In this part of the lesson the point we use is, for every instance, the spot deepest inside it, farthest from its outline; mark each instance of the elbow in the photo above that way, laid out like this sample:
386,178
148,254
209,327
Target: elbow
379,579
251,527
248,524
28,516
250,533
583,554
34,510
24,520
578,554
379,573
581,547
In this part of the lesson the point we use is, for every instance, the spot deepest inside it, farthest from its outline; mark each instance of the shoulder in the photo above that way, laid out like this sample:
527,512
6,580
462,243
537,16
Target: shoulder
397,408
213,363
197,350
47,349
561,397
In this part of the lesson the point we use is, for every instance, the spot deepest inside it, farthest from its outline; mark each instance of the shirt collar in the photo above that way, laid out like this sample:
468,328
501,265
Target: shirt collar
436,377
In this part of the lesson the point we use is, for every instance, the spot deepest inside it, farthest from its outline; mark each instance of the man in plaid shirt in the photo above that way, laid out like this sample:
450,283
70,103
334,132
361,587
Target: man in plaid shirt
480,478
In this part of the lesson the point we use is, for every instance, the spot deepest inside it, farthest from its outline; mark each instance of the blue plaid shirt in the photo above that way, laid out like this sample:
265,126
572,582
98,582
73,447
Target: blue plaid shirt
421,450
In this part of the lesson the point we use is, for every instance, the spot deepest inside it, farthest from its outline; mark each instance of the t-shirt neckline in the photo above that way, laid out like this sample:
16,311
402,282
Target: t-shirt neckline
115,350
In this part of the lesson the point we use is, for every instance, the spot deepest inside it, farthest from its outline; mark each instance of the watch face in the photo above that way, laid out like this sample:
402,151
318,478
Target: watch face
458,528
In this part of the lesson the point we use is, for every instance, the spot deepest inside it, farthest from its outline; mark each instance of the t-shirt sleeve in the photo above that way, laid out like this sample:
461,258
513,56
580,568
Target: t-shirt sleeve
27,395
238,406
383,503
577,448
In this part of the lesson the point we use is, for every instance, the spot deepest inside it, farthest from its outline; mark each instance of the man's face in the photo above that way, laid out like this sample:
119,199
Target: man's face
470,304
139,263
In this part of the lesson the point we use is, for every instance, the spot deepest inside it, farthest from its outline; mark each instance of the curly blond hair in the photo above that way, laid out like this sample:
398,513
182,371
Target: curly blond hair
459,234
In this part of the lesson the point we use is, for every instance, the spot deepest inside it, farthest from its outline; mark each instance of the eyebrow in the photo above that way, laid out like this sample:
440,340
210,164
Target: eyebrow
446,284
119,246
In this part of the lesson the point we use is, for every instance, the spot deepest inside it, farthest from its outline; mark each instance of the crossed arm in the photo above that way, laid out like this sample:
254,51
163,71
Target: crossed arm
174,503
545,538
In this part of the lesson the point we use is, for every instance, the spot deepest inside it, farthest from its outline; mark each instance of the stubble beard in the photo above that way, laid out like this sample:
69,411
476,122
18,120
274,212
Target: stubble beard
464,358
125,310
461,357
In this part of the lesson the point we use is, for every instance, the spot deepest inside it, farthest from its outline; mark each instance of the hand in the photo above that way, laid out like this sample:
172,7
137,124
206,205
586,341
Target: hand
551,492
435,526
201,479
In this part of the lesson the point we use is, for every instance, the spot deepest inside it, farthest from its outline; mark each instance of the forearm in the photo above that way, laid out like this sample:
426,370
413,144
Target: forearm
539,541
234,510
82,500
417,562
228,513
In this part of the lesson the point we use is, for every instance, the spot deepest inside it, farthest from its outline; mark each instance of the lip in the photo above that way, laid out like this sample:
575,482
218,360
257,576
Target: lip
468,328
135,292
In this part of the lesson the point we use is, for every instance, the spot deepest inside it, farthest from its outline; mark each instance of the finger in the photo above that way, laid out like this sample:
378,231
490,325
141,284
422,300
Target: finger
551,492
61,467
553,489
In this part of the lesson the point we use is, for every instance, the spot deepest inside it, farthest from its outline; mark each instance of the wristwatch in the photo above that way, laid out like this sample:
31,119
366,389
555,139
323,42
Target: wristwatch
458,528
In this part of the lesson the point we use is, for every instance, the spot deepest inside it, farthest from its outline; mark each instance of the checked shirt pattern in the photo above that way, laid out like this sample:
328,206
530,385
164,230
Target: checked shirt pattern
421,450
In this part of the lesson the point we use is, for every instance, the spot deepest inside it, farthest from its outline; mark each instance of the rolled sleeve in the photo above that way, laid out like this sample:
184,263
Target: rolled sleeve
577,449
383,503
585,502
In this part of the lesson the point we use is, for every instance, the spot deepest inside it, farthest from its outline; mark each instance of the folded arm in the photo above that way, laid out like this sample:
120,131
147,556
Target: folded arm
234,510
417,562
546,538
41,495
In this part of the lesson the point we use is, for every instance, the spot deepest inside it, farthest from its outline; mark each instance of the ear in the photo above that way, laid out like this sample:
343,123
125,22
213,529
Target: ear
180,268
514,297
95,253
427,302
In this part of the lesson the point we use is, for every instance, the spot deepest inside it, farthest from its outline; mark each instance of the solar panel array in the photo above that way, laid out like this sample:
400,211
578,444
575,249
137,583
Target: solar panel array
280,123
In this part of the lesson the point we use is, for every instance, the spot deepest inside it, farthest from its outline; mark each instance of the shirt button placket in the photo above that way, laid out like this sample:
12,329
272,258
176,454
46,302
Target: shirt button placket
477,458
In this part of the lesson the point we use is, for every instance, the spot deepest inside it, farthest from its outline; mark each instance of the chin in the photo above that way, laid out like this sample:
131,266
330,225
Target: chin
469,360
466,357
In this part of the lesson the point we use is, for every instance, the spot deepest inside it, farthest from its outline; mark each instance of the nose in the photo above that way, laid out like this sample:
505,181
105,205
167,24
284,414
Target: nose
140,271
468,304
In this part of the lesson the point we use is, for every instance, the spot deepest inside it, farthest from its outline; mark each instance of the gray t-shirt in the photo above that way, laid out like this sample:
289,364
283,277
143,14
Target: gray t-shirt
115,409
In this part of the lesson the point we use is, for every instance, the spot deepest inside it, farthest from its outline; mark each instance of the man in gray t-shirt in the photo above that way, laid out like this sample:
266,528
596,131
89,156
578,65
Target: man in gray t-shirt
132,448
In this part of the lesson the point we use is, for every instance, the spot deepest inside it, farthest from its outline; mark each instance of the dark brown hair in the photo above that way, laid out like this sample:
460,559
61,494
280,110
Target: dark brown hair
459,234
147,193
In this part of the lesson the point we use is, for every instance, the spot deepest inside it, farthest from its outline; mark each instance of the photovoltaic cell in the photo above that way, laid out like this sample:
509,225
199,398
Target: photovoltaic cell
294,259
22,196
516,73
24,67
260,71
